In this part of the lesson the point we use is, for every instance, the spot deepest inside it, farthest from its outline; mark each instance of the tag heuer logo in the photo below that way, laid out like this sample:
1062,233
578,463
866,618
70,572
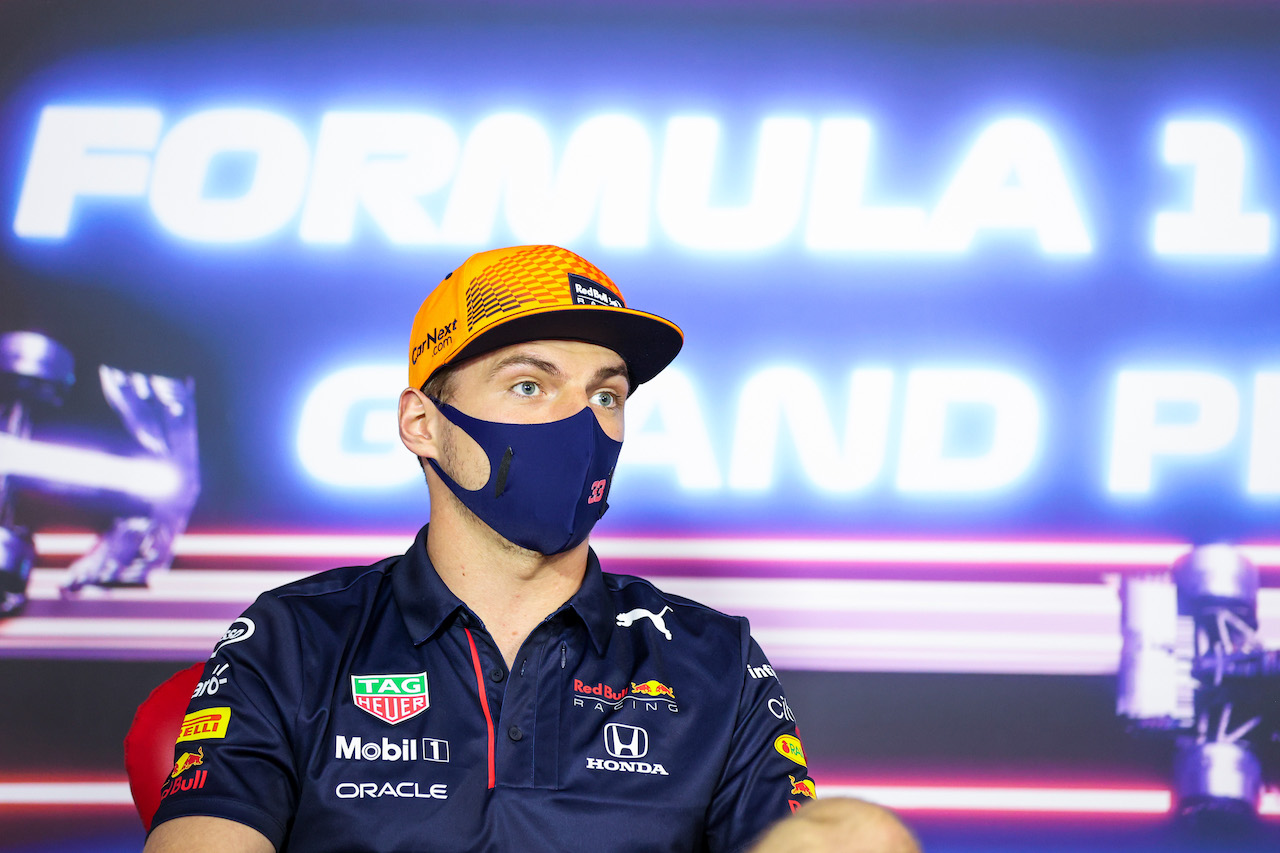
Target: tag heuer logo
391,698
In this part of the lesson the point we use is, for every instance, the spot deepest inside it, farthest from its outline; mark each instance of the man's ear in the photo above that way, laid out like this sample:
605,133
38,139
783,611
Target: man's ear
420,423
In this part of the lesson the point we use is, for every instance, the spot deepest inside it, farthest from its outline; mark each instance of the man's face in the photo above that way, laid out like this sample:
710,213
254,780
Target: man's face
531,383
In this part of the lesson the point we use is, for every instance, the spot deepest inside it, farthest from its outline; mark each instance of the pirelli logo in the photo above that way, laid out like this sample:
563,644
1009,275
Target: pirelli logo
206,724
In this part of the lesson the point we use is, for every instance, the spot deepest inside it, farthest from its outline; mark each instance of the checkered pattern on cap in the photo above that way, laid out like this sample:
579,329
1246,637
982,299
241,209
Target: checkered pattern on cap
531,277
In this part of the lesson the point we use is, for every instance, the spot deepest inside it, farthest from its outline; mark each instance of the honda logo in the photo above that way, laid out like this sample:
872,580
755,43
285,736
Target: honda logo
625,741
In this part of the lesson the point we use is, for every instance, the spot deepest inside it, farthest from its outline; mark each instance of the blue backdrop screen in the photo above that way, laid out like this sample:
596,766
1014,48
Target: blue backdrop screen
1033,292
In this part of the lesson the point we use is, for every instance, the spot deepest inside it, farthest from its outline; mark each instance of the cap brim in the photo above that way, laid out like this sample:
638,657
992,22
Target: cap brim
646,342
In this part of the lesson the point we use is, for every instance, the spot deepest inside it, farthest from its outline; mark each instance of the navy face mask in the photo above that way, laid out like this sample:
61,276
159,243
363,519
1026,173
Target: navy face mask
547,482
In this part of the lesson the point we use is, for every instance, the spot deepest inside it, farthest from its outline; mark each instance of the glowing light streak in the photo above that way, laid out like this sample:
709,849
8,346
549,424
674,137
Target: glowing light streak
894,551
211,586
265,545
797,596
906,650
806,624
204,631
919,649
784,550
801,595
66,794
151,479
980,801
910,798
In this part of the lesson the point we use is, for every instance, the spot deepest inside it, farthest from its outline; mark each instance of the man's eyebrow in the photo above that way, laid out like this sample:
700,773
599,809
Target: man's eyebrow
523,359
610,371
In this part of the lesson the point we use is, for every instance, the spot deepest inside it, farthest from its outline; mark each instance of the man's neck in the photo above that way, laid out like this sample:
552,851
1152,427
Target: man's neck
510,588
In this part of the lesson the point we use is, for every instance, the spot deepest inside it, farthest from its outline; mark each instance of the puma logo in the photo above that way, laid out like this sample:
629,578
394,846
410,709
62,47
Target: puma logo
625,619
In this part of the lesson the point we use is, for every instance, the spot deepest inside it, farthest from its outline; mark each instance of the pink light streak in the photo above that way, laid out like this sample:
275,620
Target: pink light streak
923,552
979,801
1000,799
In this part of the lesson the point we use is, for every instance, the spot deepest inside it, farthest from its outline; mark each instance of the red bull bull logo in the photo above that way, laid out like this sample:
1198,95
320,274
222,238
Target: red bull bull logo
804,787
789,745
186,761
653,688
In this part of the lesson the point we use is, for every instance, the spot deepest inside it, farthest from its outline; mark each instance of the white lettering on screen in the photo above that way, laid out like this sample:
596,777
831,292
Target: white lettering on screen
840,442
419,183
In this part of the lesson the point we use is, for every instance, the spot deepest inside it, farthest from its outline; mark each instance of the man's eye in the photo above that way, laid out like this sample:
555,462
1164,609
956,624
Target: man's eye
608,399
526,388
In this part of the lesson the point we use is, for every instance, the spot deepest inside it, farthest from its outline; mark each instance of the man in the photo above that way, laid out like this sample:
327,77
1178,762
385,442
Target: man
492,689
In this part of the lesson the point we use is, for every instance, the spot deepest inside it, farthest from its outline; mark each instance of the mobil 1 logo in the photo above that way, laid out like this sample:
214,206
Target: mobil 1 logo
404,749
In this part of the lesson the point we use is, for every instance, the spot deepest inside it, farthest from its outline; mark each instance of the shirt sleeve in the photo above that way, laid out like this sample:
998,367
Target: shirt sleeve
234,756
766,776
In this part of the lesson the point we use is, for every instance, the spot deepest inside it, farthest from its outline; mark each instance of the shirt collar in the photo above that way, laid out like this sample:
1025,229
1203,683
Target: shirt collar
427,604
593,604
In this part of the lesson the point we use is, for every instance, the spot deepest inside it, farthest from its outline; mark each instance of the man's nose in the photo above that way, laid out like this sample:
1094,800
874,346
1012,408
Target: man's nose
569,403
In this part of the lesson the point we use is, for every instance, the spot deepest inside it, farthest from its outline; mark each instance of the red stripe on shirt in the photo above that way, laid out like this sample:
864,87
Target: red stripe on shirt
484,701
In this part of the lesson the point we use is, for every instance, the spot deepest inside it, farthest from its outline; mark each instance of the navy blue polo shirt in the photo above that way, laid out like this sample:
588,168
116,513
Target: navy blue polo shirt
369,709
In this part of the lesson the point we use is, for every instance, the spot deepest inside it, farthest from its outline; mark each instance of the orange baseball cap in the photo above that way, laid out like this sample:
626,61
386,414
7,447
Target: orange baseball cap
532,293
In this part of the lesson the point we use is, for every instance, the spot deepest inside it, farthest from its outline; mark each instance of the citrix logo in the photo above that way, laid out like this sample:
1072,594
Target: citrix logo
435,340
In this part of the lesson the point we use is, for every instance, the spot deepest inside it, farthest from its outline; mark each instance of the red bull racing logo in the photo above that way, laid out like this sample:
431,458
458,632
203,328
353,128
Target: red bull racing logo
391,698
185,762
646,696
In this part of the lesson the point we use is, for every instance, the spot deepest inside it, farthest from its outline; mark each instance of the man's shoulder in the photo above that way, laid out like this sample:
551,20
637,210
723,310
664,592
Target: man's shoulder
334,585
630,592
